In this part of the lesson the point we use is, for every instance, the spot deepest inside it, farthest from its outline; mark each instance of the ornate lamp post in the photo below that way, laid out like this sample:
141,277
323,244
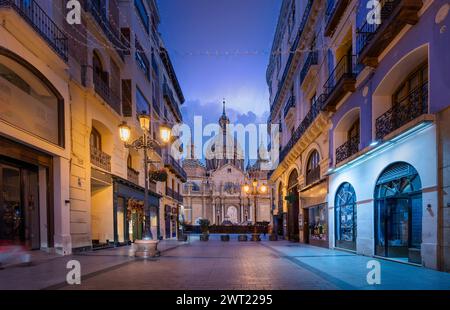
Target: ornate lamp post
255,189
147,247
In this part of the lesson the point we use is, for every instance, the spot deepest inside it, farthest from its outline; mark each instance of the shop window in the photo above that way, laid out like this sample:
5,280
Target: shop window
318,223
28,100
345,212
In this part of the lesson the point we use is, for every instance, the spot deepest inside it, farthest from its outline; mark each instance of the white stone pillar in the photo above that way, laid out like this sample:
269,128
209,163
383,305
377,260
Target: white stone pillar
62,237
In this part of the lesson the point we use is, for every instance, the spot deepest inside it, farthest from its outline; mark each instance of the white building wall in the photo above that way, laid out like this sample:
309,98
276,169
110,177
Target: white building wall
419,151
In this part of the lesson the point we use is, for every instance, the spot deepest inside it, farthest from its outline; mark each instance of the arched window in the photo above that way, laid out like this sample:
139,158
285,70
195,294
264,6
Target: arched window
99,75
28,100
353,131
97,64
313,168
398,213
130,161
96,139
345,213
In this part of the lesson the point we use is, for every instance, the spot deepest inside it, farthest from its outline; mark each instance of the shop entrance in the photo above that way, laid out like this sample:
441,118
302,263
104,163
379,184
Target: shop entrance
398,214
293,207
19,205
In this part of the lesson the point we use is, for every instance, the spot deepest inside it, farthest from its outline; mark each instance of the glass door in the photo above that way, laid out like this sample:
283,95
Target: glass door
11,210
19,206
397,227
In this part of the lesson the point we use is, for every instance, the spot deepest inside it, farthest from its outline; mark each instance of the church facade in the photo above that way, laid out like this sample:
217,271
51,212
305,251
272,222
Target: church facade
214,188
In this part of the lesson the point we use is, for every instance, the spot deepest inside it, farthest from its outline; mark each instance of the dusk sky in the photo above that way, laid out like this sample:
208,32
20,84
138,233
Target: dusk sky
201,26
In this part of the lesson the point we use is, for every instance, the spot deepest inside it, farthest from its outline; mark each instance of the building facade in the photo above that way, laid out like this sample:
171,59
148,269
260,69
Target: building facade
35,128
84,188
214,189
381,149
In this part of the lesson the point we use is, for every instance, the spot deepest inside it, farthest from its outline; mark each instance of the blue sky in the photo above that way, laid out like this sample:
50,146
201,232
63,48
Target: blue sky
201,26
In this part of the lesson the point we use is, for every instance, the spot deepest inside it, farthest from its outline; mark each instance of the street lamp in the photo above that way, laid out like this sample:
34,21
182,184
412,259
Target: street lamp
146,246
255,189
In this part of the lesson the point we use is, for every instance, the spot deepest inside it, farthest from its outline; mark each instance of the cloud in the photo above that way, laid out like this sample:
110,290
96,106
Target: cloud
211,112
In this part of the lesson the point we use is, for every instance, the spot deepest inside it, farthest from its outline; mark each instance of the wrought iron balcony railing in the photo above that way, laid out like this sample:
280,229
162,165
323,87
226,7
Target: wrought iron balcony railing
341,80
409,108
290,105
36,17
100,159
175,167
346,150
171,193
311,60
102,88
168,94
133,175
313,175
373,38
294,48
111,31
315,110
333,14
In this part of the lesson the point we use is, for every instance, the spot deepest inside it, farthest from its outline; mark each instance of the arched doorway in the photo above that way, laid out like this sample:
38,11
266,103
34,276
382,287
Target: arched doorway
345,215
279,223
293,207
398,213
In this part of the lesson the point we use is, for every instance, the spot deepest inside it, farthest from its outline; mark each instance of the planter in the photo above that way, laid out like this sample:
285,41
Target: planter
146,248
204,237
243,238
225,238
256,237
183,238
273,238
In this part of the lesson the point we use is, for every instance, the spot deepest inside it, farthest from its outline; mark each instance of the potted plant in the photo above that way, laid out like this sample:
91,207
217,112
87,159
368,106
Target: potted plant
159,175
291,198
243,238
204,225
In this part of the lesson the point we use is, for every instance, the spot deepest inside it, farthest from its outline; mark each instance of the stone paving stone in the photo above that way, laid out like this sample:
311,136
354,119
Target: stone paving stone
212,266
48,271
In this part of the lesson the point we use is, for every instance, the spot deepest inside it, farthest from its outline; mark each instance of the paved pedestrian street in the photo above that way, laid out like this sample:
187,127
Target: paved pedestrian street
217,265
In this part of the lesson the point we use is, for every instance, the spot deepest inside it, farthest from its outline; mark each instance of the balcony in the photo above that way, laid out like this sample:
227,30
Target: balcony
100,159
313,176
133,175
102,89
97,11
304,125
311,60
348,149
340,81
289,68
171,193
415,104
333,14
289,106
175,167
168,94
372,39
36,17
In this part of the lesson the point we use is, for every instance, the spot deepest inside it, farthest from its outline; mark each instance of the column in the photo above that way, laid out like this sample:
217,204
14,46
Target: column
61,179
